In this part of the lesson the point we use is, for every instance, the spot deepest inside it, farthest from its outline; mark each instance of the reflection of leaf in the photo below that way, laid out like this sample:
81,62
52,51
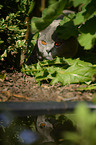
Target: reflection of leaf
48,15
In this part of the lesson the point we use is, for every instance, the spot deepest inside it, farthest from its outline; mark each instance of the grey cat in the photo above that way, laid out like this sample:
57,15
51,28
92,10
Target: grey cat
49,45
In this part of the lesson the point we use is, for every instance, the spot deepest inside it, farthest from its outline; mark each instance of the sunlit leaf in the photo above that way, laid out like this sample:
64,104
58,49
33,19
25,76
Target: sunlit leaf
70,71
86,40
79,18
3,55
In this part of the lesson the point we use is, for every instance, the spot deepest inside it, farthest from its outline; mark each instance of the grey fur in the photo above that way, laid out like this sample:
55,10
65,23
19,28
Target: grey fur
68,48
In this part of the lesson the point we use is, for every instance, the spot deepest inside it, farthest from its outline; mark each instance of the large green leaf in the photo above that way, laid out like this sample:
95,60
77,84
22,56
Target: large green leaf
86,28
66,29
86,40
74,74
66,71
48,15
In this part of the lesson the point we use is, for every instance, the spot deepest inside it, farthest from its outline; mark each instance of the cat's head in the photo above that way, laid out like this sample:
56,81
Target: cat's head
50,45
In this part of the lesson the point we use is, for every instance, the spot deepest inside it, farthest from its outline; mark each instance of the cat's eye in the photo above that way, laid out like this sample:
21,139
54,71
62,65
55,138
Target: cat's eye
58,43
44,42
42,125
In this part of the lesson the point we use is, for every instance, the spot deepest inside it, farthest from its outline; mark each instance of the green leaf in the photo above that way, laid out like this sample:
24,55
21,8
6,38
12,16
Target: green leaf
85,28
67,30
66,71
86,40
3,55
85,120
1,41
72,137
88,33
79,19
74,74
79,2
71,62
1,6
48,15
90,9
31,7
13,28
89,87
2,76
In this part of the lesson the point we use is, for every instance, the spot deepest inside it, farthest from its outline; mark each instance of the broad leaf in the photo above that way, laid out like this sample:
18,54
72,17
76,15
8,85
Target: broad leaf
66,29
79,18
85,28
86,40
66,71
75,74
48,15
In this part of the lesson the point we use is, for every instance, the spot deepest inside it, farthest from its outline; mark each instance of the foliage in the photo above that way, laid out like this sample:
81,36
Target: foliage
2,77
48,15
12,26
76,128
81,24
88,87
61,70
85,120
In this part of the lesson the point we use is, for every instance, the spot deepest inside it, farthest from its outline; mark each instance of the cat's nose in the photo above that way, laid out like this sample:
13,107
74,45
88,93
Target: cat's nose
48,51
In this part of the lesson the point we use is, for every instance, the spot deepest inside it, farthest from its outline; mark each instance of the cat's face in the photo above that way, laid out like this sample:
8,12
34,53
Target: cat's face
50,45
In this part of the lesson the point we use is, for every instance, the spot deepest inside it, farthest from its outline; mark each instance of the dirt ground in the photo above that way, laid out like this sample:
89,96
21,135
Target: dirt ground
20,87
